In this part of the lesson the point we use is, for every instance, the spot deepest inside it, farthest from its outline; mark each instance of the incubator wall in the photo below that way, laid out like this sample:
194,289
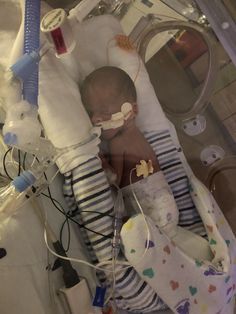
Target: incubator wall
179,61
194,79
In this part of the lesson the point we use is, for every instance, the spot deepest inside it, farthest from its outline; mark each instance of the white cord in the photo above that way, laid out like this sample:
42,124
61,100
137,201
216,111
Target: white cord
113,287
54,176
124,263
72,259
33,161
144,217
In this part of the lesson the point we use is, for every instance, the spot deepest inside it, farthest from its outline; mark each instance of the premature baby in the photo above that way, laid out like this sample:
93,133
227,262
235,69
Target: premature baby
109,96
106,92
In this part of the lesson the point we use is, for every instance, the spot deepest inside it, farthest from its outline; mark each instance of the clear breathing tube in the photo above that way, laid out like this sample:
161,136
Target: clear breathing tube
119,211
154,28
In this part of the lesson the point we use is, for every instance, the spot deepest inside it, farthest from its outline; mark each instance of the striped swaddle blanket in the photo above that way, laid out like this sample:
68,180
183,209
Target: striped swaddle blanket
89,199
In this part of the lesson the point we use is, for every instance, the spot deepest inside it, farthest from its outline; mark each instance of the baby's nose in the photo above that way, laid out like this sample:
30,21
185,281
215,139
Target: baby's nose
96,119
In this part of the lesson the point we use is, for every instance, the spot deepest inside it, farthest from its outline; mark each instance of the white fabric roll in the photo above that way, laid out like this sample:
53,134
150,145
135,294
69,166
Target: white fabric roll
96,49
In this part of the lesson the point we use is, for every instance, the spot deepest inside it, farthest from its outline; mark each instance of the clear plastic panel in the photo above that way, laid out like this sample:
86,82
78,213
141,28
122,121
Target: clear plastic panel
231,6
195,82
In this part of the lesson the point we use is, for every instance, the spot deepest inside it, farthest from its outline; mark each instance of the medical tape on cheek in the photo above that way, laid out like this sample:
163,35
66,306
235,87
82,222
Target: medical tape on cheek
117,119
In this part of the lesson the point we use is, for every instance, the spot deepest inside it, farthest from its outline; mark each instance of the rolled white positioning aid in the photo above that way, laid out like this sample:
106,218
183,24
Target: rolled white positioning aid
94,50
14,94
62,114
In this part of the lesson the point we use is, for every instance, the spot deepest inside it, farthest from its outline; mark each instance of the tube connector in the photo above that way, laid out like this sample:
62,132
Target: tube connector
25,180
21,125
26,66
119,213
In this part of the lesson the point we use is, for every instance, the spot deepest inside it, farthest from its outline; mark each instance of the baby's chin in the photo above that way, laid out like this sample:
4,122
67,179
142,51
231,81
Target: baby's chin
110,134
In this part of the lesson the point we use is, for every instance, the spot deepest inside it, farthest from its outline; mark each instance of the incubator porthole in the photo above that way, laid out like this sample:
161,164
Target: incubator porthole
211,154
195,126
181,63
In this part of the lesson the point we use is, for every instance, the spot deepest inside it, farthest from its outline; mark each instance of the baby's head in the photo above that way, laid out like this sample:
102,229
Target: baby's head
103,93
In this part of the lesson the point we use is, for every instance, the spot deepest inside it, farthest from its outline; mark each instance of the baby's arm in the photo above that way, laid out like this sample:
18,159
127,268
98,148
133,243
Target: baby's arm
105,163
109,171
117,157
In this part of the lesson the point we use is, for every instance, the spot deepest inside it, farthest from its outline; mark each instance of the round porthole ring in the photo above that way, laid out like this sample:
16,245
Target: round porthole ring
227,163
208,85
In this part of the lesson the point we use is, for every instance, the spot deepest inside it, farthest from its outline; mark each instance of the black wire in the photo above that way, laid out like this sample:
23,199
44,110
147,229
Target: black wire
94,212
69,217
19,162
4,163
54,201
81,211
64,212
24,161
61,233
76,222
62,227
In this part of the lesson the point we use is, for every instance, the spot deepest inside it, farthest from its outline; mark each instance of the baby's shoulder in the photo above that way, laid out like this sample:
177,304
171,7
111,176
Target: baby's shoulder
118,142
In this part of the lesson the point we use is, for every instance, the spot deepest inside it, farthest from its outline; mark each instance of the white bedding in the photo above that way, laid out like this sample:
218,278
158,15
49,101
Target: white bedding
24,282
26,260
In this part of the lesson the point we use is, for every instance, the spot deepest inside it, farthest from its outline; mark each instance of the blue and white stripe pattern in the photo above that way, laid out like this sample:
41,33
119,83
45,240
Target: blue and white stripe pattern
88,185
135,295
176,176
86,190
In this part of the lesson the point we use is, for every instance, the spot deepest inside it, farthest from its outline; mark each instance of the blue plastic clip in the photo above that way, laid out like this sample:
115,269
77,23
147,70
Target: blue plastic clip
26,65
99,298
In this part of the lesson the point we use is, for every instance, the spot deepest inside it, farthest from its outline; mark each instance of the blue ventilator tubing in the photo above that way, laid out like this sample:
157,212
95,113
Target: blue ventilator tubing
31,44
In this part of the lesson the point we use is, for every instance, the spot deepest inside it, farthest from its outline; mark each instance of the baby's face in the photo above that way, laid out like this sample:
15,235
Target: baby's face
100,107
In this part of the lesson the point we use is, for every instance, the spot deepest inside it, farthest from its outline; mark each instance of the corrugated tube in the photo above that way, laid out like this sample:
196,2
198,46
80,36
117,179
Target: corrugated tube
31,43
